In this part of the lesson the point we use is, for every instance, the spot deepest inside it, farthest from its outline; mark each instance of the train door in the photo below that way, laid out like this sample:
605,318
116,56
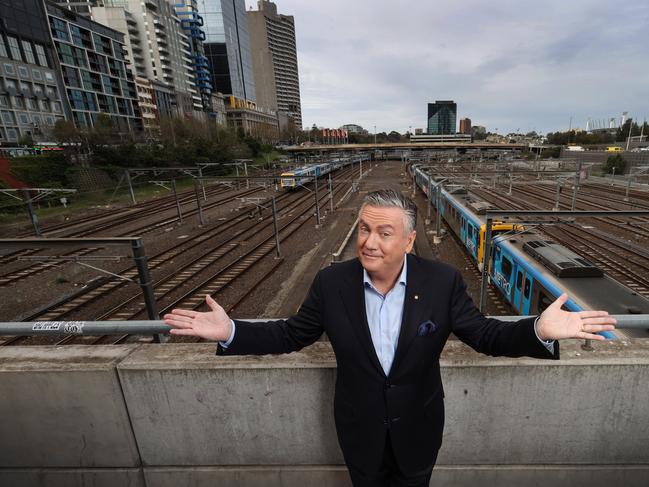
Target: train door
522,291
471,240
503,276
527,295
462,229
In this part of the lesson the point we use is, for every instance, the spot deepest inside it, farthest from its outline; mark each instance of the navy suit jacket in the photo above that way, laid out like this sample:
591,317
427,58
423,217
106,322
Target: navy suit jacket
409,401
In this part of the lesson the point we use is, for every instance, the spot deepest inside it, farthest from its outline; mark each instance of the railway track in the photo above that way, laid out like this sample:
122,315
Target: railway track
622,260
144,229
189,275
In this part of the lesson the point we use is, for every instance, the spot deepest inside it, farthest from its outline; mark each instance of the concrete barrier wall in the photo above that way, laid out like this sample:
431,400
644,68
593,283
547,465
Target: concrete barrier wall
168,415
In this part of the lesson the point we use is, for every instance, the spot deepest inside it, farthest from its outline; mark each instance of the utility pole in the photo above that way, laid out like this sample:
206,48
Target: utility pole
317,204
180,212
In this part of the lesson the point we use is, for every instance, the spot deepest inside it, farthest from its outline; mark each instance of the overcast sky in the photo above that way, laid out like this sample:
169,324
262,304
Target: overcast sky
508,64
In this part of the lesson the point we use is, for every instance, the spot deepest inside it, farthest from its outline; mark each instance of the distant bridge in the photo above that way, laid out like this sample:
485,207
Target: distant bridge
418,146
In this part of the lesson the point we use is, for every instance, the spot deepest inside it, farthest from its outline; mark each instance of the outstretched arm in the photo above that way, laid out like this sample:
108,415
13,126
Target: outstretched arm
214,325
556,324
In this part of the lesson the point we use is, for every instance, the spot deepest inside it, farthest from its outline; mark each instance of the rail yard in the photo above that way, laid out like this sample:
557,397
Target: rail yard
221,239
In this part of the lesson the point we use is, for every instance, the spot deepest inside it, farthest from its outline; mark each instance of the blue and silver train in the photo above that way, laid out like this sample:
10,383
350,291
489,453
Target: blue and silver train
529,270
305,174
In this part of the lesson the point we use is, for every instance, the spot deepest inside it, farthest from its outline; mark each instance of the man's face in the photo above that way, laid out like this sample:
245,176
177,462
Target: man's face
382,240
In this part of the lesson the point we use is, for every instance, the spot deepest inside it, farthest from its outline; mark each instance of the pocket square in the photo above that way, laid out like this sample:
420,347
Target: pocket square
426,328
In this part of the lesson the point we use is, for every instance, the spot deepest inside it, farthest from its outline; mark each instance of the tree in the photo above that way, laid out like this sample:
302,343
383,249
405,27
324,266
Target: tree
65,132
617,162
26,140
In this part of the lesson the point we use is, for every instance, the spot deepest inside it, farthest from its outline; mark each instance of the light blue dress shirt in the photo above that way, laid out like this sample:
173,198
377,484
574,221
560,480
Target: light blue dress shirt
384,314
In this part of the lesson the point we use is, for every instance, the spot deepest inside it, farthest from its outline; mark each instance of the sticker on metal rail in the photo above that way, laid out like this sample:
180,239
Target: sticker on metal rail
70,327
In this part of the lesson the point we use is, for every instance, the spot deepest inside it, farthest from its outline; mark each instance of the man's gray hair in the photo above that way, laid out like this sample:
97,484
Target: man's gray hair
389,198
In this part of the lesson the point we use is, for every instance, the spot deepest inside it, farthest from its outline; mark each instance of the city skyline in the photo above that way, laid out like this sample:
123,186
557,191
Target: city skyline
370,63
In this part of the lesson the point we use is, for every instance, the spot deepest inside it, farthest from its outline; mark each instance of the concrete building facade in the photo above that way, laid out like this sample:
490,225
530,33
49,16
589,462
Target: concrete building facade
32,97
274,56
442,116
253,120
157,46
96,73
465,126
227,47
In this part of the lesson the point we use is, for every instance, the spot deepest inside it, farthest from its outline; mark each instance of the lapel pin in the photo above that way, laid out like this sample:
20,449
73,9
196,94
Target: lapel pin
416,296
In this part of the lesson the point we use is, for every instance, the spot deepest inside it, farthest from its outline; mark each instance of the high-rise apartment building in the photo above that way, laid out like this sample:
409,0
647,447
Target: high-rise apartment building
157,45
274,58
192,23
465,126
442,117
227,47
96,74
32,97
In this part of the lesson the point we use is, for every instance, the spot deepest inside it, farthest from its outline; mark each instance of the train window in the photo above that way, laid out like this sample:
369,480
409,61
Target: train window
544,301
507,267
519,280
527,289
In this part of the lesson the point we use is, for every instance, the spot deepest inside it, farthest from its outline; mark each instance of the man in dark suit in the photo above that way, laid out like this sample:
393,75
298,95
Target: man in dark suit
388,315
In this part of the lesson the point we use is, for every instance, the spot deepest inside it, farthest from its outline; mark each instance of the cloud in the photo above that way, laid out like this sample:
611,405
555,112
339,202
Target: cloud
508,64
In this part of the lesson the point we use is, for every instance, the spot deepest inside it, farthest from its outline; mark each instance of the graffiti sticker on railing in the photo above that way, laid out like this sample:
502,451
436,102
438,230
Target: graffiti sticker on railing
70,327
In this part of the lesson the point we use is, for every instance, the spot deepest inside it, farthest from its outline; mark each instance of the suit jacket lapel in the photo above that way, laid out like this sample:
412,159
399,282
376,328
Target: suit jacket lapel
413,305
352,294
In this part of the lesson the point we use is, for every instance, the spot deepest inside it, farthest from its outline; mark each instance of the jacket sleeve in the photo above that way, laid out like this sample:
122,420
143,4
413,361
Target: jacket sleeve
491,336
280,336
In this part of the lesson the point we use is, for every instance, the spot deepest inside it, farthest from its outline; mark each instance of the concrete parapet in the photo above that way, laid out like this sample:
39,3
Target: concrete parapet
189,407
198,419
72,477
587,408
63,407
250,476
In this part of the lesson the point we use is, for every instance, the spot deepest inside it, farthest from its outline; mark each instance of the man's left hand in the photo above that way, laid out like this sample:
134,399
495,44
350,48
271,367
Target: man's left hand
555,323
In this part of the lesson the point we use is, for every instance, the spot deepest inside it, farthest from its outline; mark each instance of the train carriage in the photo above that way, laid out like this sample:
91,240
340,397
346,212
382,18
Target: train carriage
529,270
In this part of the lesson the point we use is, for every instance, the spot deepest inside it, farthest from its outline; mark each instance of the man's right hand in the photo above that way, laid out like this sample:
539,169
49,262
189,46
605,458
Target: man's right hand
213,325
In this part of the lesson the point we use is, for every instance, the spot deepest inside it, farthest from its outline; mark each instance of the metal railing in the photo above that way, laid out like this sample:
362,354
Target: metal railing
153,327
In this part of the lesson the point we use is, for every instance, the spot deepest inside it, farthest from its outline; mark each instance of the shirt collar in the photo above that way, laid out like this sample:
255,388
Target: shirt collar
401,280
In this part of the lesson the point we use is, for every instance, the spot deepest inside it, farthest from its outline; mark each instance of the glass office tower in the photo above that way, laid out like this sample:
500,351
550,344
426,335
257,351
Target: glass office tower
442,117
227,46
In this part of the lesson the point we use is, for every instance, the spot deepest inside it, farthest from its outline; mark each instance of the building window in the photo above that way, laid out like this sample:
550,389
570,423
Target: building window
38,89
42,58
65,53
31,104
56,107
10,84
44,106
12,134
29,52
9,69
49,120
17,102
80,57
49,77
15,50
23,72
8,118
49,92
59,29
36,119
80,37
102,44
3,47
24,119
4,101
37,75
71,77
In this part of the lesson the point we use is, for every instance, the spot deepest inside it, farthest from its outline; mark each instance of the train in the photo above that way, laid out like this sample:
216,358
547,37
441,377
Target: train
305,174
529,270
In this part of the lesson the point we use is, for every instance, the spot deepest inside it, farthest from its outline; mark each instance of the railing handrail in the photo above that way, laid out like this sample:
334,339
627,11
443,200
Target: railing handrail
151,327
